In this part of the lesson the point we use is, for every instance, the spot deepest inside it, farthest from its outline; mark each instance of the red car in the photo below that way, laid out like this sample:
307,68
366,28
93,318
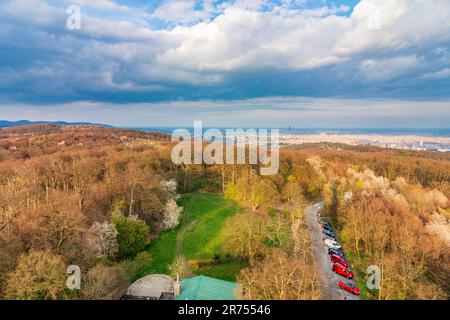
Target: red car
339,260
342,271
349,287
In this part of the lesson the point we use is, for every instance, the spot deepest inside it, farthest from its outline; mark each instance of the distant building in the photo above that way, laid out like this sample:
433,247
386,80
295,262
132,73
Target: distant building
153,287
162,287
206,288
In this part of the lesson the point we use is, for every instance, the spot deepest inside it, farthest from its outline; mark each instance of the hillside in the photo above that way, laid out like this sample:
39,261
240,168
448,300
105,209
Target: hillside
112,202
38,139
7,124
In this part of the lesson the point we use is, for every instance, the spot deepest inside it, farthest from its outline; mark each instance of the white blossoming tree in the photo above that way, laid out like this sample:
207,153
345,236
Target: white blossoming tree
171,215
101,239
348,197
171,187
440,226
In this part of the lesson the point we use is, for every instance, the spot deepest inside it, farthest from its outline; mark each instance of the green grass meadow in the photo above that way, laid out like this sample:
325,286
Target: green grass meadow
199,234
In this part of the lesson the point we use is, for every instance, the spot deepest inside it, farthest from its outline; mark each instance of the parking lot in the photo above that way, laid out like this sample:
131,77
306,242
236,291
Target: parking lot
328,280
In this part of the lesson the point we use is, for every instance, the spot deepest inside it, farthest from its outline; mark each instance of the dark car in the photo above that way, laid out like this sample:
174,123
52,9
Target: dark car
326,225
329,234
337,252
349,287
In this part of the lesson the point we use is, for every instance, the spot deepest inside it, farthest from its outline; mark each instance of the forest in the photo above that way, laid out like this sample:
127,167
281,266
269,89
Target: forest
104,199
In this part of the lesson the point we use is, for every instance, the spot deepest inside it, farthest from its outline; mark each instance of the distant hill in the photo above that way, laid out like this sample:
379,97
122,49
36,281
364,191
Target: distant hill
7,124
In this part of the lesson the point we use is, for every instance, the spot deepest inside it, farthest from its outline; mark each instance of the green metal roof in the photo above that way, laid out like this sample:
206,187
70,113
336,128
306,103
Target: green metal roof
206,288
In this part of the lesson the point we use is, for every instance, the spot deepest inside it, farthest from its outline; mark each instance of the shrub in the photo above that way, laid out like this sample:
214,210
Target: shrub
132,235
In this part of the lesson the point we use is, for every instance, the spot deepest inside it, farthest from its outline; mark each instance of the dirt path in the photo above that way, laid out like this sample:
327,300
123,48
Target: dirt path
180,235
328,280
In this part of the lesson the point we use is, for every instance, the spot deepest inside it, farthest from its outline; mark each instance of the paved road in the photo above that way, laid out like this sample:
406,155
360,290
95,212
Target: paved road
328,280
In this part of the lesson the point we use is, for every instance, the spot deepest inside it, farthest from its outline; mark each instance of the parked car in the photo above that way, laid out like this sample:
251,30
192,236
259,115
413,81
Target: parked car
332,244
342,271
339,260
326,225
329,234
349,287
336,252
327,228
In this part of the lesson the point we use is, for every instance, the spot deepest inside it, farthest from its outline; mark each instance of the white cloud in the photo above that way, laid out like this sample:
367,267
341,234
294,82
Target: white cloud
179,11
387,69
392,25
244,39
441,74
382,40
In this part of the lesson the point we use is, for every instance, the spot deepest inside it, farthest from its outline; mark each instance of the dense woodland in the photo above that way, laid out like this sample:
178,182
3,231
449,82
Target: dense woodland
96,197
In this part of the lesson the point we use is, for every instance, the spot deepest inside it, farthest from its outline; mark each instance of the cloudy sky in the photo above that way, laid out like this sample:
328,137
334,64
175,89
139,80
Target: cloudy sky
271,63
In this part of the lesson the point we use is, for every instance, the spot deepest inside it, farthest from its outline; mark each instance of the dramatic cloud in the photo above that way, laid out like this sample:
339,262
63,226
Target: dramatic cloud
191,50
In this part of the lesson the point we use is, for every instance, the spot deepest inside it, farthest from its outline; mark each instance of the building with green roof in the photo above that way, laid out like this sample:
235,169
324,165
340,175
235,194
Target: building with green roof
206,288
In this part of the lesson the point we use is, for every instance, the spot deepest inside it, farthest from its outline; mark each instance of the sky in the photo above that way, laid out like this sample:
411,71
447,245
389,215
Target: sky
229,63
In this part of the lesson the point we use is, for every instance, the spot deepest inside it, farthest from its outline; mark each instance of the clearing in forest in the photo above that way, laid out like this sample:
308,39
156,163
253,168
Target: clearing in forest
198,237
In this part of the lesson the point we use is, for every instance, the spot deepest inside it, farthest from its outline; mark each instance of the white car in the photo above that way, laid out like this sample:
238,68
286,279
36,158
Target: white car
332,244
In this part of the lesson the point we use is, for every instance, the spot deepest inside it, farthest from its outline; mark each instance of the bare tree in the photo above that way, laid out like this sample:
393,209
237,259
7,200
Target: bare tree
39,275
243,236
105,283
279,277
85,171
